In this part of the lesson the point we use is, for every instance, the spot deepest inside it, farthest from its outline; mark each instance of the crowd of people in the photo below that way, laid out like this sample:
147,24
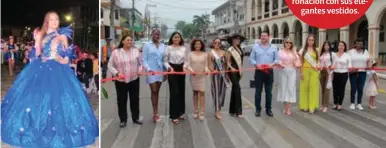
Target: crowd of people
319,69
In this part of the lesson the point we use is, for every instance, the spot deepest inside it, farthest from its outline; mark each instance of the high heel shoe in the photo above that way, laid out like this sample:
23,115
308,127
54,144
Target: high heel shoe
156,118
202,117
195,114
218,116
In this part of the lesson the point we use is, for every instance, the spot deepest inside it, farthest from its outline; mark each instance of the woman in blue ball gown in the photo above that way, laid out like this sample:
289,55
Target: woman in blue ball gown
46,106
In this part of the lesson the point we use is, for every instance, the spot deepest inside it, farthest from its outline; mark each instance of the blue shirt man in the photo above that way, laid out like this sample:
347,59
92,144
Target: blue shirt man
263,56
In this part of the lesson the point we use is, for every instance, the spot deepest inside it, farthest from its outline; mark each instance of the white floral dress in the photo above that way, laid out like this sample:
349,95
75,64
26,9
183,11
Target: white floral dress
371,88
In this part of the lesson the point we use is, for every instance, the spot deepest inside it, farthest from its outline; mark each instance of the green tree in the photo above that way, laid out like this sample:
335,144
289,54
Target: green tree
180,25
190,30
202,22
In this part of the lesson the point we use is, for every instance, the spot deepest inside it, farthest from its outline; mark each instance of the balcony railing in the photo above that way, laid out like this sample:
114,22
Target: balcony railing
266,15
253,18
284,10
259,17
275,12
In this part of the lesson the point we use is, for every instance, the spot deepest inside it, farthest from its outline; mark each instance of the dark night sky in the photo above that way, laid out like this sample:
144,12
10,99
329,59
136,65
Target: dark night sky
21,13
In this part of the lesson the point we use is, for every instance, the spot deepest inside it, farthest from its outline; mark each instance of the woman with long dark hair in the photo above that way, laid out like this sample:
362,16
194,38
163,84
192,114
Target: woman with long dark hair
309,74
197,62
175,56
152,59
217,63
125,64
46,105
360,57
342,64
235,63
326,61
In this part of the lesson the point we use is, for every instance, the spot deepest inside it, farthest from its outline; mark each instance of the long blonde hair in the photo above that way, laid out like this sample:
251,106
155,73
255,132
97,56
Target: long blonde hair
44,28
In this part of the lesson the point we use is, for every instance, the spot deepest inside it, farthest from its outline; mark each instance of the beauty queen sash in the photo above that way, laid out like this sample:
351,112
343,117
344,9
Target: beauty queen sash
329,72
310,59
220,67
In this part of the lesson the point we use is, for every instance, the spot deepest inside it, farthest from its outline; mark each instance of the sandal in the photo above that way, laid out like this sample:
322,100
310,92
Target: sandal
156,118
202,116
182,117
175,121
218,116
195,114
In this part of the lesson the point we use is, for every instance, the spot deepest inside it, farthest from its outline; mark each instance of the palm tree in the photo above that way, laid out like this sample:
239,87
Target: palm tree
202,22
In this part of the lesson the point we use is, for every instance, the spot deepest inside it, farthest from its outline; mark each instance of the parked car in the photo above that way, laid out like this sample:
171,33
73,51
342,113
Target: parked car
248,46
139,45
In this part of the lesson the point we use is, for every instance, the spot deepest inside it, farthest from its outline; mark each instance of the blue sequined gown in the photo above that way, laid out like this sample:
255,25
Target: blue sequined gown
46,106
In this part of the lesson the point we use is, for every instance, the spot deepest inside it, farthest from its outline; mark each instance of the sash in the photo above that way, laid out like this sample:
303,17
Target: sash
221,68
329,73
237,57
310,60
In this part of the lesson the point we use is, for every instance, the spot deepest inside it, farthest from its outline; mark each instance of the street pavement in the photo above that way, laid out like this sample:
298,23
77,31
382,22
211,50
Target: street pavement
6,83
345,129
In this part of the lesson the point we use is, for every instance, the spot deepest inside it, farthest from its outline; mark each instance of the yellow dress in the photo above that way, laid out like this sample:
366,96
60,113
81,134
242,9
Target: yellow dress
309,87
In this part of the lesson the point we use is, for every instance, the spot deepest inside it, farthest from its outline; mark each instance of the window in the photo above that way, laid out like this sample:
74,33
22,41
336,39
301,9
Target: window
116,14
101,13
382,34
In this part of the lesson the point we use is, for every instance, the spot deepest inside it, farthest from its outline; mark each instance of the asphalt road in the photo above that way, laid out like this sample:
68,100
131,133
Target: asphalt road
345,129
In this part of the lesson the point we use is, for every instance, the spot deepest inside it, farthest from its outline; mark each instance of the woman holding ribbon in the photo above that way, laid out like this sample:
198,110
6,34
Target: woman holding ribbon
217,63
125,64
152,60
309,75
175,56
360,57
342,64
197,62
326,61
289,61
235,64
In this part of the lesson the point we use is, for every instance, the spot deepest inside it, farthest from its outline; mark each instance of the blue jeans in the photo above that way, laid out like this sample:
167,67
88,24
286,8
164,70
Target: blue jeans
357,82
266,80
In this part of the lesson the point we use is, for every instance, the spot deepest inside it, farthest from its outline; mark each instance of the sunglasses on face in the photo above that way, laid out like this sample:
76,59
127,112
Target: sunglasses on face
288,42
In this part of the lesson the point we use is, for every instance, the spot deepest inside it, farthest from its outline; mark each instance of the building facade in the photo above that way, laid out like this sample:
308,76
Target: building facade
105,20
275,17
229,18
127,21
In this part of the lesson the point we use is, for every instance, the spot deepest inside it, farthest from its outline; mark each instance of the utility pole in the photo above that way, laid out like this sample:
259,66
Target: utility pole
235,17
133,20
112,20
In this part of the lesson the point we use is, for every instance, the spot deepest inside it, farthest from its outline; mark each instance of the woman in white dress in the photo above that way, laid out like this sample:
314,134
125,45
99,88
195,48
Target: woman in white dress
289,62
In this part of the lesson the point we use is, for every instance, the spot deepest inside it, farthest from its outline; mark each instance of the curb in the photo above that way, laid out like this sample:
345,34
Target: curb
382,76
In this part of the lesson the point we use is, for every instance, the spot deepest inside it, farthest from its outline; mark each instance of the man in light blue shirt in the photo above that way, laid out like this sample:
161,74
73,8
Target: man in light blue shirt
264,56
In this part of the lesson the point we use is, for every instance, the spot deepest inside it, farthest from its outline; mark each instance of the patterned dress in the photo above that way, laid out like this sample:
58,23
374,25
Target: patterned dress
218,86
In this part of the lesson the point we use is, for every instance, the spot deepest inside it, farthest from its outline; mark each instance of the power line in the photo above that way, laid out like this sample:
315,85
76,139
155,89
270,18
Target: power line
178,7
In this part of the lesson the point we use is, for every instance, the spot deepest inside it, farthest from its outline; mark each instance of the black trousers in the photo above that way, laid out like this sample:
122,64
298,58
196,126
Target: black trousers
339,87
122,89
96,80
177,92
235,106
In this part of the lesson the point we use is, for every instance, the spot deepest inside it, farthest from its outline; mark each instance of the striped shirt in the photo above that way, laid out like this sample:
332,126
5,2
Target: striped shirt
128,63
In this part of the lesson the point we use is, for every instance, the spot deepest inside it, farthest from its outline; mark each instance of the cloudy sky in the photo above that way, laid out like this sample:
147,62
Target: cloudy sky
171,11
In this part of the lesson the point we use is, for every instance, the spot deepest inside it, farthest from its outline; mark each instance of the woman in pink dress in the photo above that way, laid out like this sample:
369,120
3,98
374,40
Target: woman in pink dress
197,62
